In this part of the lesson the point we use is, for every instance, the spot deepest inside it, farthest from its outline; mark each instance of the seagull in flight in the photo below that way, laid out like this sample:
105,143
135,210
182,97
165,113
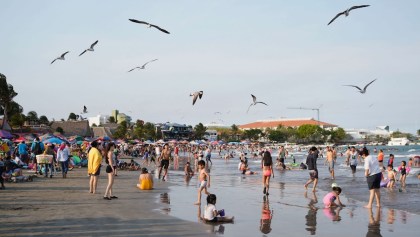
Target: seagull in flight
84,109
89,49
364,89
149,25
347,12
144,65
255,102
61,57
195,95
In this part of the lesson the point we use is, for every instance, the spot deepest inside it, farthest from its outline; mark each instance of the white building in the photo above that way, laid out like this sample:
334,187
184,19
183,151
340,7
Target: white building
362,134
98,120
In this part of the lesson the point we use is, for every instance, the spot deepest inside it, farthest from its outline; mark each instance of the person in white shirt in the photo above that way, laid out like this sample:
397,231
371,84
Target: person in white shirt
213,215
373,176
63,158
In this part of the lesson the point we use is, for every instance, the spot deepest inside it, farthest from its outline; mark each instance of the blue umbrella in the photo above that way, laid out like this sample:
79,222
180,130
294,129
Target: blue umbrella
54,140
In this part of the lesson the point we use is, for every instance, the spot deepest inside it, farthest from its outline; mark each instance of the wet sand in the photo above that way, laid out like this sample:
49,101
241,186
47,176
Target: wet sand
63,207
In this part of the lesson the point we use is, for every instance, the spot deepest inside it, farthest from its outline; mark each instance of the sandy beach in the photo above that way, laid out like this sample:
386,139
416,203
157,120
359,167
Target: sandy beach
63,207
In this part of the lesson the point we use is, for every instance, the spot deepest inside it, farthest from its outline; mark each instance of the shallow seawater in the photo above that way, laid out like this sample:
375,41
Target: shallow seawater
289,210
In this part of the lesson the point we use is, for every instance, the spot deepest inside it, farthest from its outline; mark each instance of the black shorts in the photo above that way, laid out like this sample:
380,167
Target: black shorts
108,169
353,168
213,220
313,174
164,164
98,172
374,181
281,160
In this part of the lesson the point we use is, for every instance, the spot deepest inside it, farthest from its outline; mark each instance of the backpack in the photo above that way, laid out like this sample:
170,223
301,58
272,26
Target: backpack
37,148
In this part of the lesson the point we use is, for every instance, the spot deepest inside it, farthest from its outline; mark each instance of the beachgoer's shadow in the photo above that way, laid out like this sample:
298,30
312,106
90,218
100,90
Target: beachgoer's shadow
374,227
266,216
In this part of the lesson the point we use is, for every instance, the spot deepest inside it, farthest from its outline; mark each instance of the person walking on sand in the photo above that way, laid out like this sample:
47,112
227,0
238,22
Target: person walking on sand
164,161
373,176
312,168
63,158
267,170
94,166
204,180
110,169
330,161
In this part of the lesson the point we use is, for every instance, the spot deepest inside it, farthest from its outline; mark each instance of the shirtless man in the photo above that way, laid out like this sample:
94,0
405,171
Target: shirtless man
331,161
204,180
164,161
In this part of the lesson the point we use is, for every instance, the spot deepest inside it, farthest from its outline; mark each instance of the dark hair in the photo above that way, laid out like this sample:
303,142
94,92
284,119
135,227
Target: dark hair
94,144
144,170
267,160
390,166
337,189
37,139
211,199
313,148
404,162
353,147
364,151
391,155
201,162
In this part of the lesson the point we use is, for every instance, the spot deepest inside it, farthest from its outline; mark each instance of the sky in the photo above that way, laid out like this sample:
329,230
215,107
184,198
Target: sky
282,52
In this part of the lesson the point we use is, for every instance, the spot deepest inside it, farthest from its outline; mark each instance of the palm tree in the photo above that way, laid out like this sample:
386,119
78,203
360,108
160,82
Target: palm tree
6,97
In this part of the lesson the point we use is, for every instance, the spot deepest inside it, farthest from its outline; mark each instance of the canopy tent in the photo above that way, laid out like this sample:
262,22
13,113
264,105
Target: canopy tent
54,140
5,134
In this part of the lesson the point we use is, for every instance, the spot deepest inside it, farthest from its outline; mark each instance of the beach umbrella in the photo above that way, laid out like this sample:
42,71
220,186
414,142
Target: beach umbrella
54,140
193,143
221,142
5,134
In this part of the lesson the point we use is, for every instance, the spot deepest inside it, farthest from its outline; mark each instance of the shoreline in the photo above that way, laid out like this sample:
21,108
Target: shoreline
57,206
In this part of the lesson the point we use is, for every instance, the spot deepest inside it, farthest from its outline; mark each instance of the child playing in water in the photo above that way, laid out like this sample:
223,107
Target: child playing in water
404,170
331,197
187,169
213,215
392,176
204,179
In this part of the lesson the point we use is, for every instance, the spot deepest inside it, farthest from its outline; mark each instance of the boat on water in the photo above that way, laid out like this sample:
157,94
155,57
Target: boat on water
403,141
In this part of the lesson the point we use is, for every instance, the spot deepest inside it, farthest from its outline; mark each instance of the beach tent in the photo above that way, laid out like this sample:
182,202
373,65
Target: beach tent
5,134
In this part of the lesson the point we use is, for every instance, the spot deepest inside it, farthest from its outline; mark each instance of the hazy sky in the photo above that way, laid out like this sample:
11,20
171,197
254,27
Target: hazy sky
281,51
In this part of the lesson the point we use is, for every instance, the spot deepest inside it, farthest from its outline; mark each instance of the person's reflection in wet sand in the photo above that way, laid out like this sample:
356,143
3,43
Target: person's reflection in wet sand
164,198
333,213
374,227
187,179
403,215
391,216
266,216
312,212
212,228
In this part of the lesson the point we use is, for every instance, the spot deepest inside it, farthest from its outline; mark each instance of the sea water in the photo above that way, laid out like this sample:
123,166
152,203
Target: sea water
293,210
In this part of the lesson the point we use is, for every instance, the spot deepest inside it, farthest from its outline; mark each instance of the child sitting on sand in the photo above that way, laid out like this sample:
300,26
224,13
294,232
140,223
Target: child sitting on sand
204,180
331,197
245,169
145,180
213,215
133,165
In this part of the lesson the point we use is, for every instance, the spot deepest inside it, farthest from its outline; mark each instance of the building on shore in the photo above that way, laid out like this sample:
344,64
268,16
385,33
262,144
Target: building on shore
360,135
98,120
294,123
175,131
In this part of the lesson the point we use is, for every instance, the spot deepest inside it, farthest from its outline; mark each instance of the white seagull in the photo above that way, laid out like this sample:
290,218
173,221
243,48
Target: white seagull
84,109
144,65
61,57
364,89
149,25
347,12
255,102
195,95
89,49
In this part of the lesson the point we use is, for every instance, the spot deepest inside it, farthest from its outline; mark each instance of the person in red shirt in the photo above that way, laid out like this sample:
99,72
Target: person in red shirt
381,159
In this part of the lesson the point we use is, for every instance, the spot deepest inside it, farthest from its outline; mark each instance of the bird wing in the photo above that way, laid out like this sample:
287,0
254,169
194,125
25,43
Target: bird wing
262,103
354,87
163,30
137,21
249,107
195,96
148,62
64,54
254,98
338,15
133,69
53,61
369,84
200,94
82,53
93,45
355,7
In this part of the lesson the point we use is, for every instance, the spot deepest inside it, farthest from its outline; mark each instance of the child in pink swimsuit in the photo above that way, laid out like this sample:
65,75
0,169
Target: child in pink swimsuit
331,197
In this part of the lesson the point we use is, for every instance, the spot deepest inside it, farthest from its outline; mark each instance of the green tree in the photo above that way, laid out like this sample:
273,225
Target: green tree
121,131
72,116
17,120
60,130
32,116
43,120
111,119
338,135
199,131
252,134
277,135
7,93
310,133
418,132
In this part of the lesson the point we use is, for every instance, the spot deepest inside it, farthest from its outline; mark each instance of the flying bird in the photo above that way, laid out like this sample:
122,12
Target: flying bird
142,67
217,113
347,12
89,49
84,109
255,102
364,89
195,95
149,25
61,57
